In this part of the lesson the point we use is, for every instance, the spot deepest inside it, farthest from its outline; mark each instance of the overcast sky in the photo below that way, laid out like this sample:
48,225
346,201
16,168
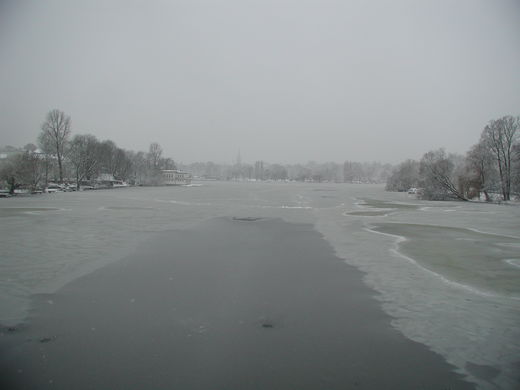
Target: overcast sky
281,81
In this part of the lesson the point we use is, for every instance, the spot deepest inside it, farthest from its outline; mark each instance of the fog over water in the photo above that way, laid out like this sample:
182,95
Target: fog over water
447,272
281,81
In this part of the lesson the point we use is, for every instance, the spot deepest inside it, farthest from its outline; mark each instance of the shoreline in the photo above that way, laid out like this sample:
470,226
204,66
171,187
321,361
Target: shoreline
229,304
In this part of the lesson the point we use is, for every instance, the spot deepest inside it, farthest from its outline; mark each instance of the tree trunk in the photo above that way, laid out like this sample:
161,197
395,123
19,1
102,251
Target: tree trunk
46,171
502,180
60,168
12,184
77,179
487,196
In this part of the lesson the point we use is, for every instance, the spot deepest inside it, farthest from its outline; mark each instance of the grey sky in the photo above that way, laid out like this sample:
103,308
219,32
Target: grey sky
283,81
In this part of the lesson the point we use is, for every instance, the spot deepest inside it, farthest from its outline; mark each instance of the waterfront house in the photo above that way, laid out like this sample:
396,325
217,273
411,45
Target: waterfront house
175,177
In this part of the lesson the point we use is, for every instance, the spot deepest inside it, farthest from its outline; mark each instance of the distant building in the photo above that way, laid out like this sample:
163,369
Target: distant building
107,180
175,177
105,177
259,170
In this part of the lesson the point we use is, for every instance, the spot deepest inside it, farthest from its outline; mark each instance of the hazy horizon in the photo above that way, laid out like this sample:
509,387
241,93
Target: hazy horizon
281,81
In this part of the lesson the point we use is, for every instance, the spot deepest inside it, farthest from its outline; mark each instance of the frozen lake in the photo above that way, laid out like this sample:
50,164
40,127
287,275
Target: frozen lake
447,272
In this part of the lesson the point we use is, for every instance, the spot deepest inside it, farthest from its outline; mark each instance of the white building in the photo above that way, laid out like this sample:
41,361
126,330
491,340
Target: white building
175,177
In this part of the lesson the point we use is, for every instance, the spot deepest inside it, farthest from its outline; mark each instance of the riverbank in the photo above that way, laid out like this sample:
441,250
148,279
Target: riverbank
234,304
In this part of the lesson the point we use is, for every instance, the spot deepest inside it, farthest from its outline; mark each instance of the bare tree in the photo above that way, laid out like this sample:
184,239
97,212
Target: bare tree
107,151
114,160
404,177
122,163
499,136
515,180
154,155
138,167
9,172
22,169
32,171
55,134
84,157
479,162
436,171
49,162
167,163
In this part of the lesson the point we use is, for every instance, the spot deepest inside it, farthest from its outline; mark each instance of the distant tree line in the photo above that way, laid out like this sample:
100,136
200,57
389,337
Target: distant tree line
60,157
349,172
489,169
